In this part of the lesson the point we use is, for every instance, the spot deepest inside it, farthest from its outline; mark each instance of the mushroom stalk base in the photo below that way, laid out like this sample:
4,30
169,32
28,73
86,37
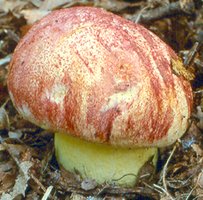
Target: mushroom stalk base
102,162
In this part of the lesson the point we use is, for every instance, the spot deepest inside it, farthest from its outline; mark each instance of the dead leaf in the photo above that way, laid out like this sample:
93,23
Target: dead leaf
15,135
179,70
200,180
15,150
8,170
51,4
165,198
6,5
199,115
5,167
76,197
2,148
115,5
187,5
36,3
21,182
33,15
197,149
7,180
24,29
4,119
157,3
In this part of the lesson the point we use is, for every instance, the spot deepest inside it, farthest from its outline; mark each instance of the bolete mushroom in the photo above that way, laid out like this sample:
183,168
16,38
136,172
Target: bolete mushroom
111,90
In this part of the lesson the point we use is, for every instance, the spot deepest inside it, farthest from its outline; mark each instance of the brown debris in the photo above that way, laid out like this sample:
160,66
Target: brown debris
180,70
168,10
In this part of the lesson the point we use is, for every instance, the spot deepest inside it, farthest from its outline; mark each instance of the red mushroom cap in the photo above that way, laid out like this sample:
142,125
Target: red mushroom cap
97,76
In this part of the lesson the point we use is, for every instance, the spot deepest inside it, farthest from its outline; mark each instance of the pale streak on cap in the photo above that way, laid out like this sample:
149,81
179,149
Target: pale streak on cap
95,75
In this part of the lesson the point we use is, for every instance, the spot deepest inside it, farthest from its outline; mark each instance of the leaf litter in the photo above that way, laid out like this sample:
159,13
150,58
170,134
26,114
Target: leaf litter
28,168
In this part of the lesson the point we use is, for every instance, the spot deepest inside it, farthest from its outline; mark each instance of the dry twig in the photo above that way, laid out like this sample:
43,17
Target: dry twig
191,54
170,10
164,174
47,194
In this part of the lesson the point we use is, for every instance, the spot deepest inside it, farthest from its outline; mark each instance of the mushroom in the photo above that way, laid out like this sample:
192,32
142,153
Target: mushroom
111,90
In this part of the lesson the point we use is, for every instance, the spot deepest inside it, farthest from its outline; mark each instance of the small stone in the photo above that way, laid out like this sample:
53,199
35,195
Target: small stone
88,184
